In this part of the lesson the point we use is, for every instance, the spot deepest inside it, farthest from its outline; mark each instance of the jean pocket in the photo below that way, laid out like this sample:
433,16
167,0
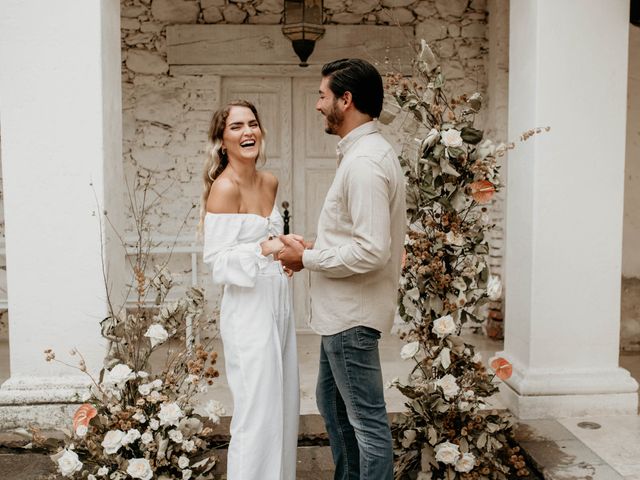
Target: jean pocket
367,337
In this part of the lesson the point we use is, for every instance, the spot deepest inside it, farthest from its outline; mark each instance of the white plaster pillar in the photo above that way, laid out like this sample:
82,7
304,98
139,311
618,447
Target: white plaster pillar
60,115
568,70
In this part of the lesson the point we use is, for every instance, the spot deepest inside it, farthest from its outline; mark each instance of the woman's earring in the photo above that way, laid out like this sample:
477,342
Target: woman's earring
223,151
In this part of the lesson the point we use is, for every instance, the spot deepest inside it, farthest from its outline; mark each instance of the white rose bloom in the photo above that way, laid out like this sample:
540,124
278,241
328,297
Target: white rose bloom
186,474
176,436
410,350
140,468
451,138
82,430
69,464
103,471
131,436
146,438
477,358
494,288
139,417
183,462
454,239
157,383
188,446
142,374
112,441
447,453
444,326
449,386
91,476
463,405
154,424
157,334
144,389
155,396
466,463
120,374
214,410
468,394
170,414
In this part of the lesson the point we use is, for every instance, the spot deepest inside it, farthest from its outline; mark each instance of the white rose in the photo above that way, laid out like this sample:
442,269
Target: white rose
82,430
447,453
214,410
454,239
410,350
103,471
155,396
431,139
451,138
494,288
157,334
157,383
170,414
183,462
468,394
188,446
146,438
68,463
176,436
91,476
142,374
477,358
449,386
463,405
144,389
112,441
154,424
131,436
140,468
186,474
139,417
120,374
444,326
466,463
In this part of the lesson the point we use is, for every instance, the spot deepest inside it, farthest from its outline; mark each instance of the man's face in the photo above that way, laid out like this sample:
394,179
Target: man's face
327,105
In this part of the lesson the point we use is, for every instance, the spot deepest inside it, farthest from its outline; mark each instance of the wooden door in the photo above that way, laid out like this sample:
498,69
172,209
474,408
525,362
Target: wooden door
299,153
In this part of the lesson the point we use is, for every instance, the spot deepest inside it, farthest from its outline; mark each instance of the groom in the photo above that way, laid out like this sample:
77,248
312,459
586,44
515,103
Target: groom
355,269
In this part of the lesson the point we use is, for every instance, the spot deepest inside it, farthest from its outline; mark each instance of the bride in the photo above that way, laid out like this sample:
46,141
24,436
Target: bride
241,226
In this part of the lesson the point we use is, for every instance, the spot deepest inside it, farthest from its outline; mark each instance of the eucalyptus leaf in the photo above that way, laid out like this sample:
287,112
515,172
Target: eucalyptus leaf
471,135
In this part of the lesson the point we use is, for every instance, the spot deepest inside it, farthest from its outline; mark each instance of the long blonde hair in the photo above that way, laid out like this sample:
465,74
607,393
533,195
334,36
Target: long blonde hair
217,159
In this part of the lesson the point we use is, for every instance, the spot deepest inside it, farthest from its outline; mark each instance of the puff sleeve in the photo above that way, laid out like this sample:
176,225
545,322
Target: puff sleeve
231,261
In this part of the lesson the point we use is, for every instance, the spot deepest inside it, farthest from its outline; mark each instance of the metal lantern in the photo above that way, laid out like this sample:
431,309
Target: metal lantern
303,26
634,16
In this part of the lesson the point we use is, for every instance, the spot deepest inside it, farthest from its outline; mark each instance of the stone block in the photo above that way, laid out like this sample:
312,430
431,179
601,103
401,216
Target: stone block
396,3
431,29
474,30
175,11
270,6
425,9
454,30
453,70
266,19
346,18
143,61
132,12
204,4
153,159
151,27
155,136
402,16
212,15
201,100
158,108
138,38
470,51
334,6
445,48
233,14
451,8
363,6
480,5
129,24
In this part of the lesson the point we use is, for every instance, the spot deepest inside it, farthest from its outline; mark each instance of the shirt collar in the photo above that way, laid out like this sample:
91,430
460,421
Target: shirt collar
352,137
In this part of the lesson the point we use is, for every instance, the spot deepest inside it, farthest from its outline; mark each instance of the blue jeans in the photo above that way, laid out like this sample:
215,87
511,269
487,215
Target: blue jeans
350,397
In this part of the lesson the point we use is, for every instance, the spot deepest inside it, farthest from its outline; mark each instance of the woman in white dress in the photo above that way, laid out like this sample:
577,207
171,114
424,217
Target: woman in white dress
241,226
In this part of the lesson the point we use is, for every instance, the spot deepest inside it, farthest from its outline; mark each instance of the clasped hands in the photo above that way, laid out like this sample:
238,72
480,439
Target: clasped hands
288,250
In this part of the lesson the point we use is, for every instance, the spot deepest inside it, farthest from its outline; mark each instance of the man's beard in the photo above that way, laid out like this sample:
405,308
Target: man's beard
334,119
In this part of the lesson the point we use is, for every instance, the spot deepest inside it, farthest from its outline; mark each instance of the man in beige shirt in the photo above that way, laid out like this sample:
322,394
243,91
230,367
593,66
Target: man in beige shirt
355,269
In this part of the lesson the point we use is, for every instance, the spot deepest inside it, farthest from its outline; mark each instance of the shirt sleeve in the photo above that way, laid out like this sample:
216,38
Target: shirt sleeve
367,196
231,262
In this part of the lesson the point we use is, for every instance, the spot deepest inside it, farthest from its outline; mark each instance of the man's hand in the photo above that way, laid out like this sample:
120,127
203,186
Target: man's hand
291,255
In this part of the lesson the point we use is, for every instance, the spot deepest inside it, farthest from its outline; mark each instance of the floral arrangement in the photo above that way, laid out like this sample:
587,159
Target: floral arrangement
452,174
136,423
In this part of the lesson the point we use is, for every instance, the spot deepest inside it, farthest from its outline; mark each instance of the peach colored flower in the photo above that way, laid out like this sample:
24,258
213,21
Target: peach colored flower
482,191
83,415
502,368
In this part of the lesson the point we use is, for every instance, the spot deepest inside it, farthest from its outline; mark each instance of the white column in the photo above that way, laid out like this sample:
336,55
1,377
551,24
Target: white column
568,70
60,115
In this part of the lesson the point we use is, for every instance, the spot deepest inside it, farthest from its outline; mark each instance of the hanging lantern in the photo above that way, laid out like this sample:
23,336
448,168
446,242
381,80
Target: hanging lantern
303,26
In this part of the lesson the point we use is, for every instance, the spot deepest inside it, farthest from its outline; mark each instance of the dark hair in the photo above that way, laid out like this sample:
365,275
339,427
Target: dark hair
361,79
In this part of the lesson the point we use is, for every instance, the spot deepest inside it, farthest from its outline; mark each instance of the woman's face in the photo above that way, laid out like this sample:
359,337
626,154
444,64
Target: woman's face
242,136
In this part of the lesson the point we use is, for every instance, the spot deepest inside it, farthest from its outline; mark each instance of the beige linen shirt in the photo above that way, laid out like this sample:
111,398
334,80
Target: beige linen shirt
355,263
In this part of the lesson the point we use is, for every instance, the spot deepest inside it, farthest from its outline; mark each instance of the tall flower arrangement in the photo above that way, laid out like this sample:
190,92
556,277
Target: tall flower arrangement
452,174
137,423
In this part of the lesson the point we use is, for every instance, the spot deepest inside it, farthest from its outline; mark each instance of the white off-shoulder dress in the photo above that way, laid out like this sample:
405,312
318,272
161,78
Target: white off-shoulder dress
259,339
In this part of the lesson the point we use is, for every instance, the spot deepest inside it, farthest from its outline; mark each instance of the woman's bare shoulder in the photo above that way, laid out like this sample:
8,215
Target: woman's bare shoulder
224,196
270,180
